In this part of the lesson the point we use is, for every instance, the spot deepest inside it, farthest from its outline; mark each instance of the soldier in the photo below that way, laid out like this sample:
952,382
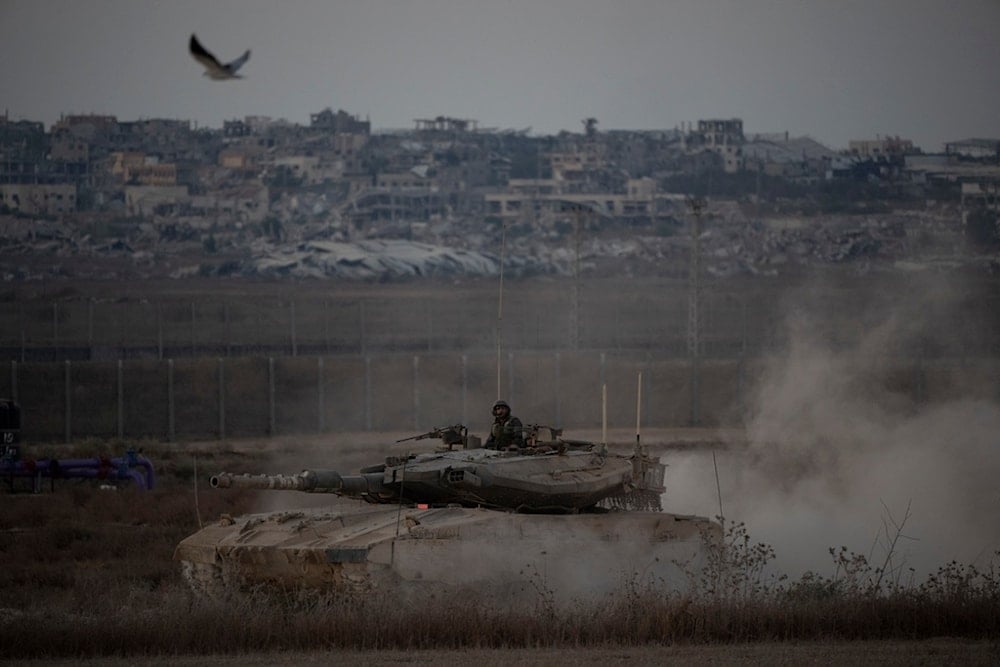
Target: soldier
507,430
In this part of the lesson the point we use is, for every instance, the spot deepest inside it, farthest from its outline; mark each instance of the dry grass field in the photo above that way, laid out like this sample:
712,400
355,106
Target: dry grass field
939,651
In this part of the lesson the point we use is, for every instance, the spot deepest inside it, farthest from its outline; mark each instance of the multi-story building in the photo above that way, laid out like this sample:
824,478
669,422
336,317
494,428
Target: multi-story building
574,169
145,200
721,136
976,149
23,146
445,124
246,203
136,168
530,198
38,198
884,148
798,159
240,162
91,128
347,148
340,122
235,129
152,173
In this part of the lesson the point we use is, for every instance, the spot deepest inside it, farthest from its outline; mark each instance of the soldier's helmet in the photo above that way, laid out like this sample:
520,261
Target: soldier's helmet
500,404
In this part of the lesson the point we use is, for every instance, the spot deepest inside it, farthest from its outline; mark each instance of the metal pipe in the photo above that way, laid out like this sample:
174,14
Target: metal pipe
113,468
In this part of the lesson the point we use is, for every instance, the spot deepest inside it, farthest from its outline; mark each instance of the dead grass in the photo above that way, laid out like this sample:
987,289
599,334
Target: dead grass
88,573
887,653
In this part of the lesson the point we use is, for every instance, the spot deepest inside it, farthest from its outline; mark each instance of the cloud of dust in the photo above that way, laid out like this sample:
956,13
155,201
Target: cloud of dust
836,453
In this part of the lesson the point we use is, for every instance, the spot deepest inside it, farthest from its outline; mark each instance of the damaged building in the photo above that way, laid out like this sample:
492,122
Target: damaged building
449,182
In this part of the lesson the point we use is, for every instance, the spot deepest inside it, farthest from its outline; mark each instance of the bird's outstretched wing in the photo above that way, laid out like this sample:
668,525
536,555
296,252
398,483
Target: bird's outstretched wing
202,55
213,68
238,63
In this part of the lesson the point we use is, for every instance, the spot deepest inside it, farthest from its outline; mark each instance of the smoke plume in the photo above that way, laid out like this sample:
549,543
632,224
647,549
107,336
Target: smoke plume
850,444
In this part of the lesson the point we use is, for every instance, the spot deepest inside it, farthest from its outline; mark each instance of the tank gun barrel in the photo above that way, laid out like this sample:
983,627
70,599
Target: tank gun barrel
310,481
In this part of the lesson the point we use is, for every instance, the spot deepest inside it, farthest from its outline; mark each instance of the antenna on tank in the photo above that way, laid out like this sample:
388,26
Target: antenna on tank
604,414
402,480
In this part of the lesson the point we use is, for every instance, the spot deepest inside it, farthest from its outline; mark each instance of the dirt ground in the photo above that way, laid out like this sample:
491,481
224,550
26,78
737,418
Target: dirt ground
942,651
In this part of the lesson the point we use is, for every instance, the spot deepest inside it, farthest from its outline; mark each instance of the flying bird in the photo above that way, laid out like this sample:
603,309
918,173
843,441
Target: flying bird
213,68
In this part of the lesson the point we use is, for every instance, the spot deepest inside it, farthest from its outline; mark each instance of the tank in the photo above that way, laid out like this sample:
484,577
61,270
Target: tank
565,516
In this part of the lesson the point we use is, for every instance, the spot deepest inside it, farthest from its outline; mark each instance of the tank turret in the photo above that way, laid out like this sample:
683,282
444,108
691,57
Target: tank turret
549,474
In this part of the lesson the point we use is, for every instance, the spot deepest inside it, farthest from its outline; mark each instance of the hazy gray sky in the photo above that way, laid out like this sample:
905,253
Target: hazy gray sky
833,69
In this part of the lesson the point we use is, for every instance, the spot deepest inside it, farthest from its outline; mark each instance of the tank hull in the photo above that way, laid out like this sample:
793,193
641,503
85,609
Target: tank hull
357,548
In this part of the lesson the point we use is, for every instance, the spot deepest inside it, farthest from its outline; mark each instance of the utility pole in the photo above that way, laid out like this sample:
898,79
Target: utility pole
575,308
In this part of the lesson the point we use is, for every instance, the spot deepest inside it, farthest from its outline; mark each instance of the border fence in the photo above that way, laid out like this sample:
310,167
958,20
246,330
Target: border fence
731,325
176,368
235,397
91,329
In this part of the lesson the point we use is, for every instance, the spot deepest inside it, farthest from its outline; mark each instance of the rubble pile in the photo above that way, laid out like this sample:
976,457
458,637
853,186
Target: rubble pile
731,244
375,259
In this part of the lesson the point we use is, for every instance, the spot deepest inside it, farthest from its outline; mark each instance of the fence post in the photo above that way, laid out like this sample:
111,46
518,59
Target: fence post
121,401
271,430
416,393
159,330
616,336
430,326
170,400
326,326
743,326
123,329
465,388
368,393
363,343
259,337
69,403
226,328
741,383
558,389
90,322
222,398
320,401
193,344
695,390
291,317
